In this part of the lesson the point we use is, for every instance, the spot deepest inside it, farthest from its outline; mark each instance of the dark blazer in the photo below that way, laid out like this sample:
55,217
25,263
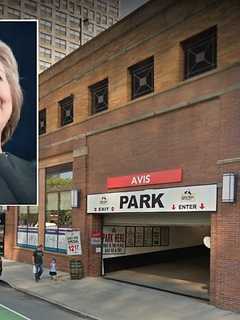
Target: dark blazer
17,180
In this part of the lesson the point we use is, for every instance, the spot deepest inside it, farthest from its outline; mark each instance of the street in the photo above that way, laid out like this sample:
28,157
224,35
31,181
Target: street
15,305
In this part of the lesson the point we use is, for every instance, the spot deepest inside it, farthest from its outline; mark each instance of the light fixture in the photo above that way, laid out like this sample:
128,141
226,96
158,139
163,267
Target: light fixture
228,187
75,198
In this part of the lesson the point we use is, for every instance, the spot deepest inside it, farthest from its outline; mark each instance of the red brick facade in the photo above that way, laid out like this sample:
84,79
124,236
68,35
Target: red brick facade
192,124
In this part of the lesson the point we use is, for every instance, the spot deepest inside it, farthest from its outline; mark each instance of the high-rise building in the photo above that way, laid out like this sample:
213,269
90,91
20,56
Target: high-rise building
64,25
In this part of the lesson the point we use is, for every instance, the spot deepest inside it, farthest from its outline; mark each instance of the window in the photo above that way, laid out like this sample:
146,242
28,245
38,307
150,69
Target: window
110,21
101,5
104,19
45,11
45,52
44,65
74,22
58,207
57,3
113,11
72,46
85,13
99,95
60,43
27,16
78,10
1,10
90,27
64,4
200,53
46,25
71,6
14,2
99,29
60,30
61,17
45,38
89,3
74,35
98,18
59,56
27,229
142,75
66,106
91,15
12,13
42,121
31,5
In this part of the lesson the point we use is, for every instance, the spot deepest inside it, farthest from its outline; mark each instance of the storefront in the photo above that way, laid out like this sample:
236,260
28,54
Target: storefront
154,237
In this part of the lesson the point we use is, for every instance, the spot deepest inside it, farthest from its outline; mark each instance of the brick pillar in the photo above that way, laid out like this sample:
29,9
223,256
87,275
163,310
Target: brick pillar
41,207
10,232
225,249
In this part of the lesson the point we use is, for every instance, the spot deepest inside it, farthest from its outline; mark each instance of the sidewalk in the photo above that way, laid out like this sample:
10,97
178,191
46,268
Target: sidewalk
98,298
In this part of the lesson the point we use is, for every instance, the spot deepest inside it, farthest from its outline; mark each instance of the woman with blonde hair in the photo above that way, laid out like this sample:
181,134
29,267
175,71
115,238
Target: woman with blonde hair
17,176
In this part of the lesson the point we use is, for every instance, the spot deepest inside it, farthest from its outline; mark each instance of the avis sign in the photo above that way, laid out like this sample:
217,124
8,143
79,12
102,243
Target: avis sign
180,199
73,243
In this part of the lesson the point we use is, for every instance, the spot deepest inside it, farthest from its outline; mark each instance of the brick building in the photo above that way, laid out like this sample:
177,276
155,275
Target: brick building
143,121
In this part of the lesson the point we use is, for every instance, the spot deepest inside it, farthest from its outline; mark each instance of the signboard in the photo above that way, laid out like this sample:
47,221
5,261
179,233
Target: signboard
181,199
147,178
73,243
113,240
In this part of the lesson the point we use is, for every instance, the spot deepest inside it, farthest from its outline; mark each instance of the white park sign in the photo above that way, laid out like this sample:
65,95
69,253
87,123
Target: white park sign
181,199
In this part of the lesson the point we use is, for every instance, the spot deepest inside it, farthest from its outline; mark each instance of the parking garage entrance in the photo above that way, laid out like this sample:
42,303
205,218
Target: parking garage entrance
154,237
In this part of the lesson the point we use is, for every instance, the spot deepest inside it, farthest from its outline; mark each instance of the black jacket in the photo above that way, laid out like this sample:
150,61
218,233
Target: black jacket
17,180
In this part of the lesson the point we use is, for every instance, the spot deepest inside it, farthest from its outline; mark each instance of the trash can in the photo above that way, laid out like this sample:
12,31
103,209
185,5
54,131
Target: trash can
76,269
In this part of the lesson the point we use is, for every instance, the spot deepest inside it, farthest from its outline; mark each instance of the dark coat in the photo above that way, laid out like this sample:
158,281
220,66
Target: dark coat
17,180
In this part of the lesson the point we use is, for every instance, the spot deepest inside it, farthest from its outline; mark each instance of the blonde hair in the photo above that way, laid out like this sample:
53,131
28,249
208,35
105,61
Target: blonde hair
11,70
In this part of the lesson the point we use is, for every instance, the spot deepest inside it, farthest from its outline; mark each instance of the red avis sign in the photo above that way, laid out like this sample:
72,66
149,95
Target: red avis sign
148,178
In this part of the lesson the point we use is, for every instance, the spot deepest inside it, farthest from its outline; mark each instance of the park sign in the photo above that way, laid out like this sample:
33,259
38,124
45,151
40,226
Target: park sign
201,198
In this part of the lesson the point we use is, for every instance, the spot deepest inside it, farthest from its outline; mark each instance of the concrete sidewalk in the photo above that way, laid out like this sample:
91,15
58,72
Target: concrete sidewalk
98,298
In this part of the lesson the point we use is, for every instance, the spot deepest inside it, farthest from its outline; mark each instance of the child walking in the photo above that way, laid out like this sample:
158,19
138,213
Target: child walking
53,269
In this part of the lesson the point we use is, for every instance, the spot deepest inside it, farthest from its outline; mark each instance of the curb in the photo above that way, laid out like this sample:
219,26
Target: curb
62,306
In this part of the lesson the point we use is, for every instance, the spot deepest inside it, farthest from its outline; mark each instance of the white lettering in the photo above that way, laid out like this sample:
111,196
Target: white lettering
141,179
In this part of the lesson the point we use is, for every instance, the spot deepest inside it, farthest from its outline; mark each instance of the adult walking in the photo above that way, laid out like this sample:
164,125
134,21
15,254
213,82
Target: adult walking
37,259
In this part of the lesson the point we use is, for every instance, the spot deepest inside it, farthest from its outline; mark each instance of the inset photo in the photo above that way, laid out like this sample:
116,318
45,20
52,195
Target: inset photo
18,112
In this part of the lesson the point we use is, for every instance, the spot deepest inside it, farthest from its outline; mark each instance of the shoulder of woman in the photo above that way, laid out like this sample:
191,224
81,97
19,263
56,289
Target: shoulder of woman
20,163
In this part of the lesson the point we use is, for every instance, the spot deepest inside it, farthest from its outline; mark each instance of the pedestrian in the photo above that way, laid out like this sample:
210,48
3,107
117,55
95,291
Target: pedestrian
53,269
37,259
0,265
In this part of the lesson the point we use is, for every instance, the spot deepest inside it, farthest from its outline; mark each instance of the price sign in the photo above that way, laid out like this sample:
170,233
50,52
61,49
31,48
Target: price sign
73,243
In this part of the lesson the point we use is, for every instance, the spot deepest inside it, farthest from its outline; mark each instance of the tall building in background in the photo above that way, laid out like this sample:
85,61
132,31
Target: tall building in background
64,25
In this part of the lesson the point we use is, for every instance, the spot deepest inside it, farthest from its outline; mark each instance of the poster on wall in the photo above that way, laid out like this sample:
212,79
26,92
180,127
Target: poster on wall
156,236
33,236
139,236
165,236
51,239
113,240
147,236
130,235
73,243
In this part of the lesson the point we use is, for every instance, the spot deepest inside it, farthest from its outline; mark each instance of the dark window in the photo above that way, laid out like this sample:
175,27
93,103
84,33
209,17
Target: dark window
99,93
42,121
66,106
200,53
142,75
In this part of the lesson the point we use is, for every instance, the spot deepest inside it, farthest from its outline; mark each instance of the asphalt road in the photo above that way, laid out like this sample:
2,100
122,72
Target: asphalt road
16,305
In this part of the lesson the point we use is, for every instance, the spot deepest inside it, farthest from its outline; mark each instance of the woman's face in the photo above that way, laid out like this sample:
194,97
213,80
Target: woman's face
5,99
